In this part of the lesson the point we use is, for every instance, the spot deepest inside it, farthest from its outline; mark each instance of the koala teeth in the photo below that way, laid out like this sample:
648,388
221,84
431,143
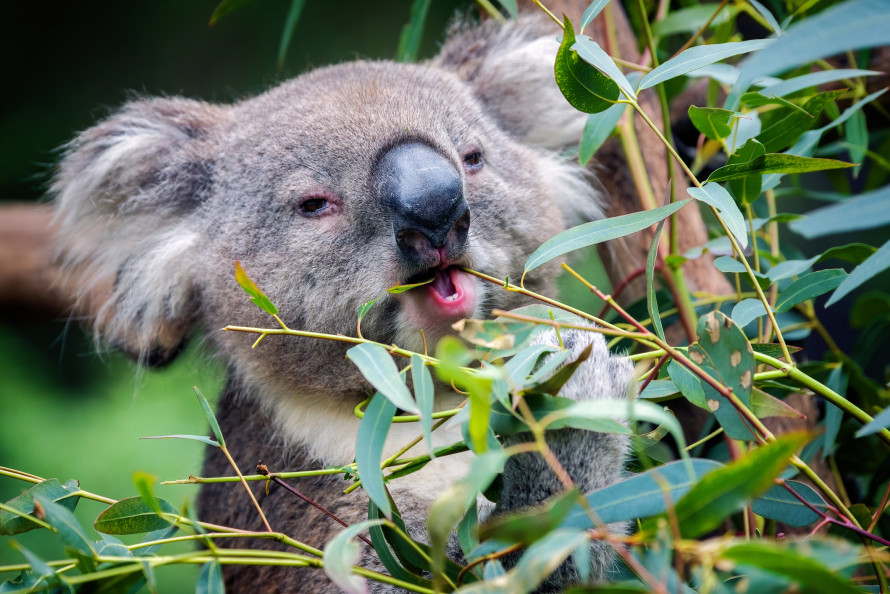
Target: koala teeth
454,297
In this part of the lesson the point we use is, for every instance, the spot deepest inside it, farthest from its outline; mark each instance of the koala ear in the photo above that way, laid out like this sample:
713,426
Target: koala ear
124,192
510,69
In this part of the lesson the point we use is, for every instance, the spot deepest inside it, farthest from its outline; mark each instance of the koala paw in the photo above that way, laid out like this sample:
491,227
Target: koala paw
601,376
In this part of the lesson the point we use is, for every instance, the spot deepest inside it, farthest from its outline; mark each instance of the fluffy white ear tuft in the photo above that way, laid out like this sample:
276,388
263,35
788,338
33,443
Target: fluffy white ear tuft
124,192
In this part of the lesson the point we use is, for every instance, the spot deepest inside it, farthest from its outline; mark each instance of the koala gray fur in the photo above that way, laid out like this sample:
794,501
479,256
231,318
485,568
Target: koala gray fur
161,198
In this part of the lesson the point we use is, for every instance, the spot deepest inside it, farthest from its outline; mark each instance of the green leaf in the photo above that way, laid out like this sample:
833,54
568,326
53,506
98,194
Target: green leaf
384,549
591,52
528,525
412,33
641,495
341,553
866,211
510,7
713,122
698,56
813,79
369,444
39,567
873,266
688,384
599,231
211,418
144,483
808,572
447,510
225,7
200,438
882,421
424,393
521,364
597,130
583,86
11,523
764,405
256,295
133,516
505,422
856,135
725,354
728,264
775,163
716,195
540,560
785,130
844,26
727,490
591,13
773,350
651,299
500,334
746,311
452,356
378,368
210,580
691,18
747,188
810,286
290,25
66,525
659,389
780,505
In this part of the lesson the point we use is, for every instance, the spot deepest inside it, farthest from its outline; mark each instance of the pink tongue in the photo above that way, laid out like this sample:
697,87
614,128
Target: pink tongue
442,284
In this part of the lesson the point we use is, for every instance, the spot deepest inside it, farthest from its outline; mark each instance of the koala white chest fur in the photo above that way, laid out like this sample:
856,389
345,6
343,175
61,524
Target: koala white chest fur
329,189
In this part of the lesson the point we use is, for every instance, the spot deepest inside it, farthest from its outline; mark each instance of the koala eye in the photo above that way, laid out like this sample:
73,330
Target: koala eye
473,161
315,206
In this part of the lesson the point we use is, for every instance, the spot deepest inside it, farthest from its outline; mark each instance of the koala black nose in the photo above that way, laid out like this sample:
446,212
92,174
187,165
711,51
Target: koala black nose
425,194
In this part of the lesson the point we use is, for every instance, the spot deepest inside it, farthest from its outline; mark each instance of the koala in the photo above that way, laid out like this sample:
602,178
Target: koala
330,188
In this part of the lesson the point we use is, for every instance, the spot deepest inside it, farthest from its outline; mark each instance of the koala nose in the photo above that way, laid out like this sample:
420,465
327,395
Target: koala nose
424,191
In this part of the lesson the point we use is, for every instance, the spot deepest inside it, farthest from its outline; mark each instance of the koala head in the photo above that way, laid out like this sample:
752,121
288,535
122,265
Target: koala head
329,189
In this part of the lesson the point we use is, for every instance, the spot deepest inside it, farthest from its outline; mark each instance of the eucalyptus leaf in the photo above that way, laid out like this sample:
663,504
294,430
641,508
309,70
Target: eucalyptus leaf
597,130
690,19
698,56
659,389
810,286
256,295
591,52
599,231
583,86
372,431
865,211
870,268
775,163
746,311
133,516
716,196
881,421
728,264
784,131
68,528
210,580
747,189
211,418
780,505
713,122
378,368
591,13
424,393
412,33
290,25
727,490
11,523
341,553
813,79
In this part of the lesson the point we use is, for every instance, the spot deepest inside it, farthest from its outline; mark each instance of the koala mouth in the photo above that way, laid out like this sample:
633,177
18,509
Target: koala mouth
450,296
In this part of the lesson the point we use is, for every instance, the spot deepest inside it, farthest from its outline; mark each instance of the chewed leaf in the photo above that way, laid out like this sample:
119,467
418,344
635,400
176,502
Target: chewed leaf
402,288
256,295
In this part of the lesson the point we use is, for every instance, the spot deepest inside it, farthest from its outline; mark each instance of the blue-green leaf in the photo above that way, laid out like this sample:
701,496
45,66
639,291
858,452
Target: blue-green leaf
598,232
69,529
716,195
810,286
597,130
641,495
728,264
423,392
372,433
813,79
591,13
768,17
211,418
882,421
866,211
780,505
591,52
659,389
844,26
341,553
378,368
746,311
210,580
698,56
876,264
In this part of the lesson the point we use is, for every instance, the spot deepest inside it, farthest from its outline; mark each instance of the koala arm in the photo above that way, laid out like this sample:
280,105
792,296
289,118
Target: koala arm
592,460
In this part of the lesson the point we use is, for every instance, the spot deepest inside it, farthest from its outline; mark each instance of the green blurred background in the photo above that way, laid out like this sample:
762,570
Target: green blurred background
66,411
